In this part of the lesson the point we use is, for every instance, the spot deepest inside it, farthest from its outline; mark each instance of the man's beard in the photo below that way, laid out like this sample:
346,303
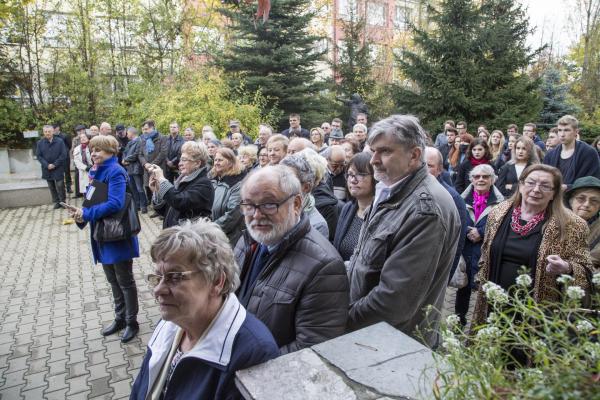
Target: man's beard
277,231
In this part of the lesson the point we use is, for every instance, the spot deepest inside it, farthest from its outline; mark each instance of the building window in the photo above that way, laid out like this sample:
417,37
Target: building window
376,14
348,8
402,17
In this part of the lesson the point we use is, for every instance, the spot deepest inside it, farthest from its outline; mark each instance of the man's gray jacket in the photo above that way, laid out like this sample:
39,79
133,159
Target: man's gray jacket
403,258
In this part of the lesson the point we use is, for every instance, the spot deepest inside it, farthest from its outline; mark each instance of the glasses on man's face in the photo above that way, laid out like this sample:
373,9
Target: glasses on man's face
249,209
531,184
478,177
183,159
360,176
170,278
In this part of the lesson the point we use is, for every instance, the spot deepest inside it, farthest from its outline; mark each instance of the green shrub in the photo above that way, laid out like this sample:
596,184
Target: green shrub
561,341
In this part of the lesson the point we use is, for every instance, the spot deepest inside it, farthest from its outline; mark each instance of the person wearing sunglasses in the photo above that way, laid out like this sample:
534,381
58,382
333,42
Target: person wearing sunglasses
480,197
533,228
361,189
205,334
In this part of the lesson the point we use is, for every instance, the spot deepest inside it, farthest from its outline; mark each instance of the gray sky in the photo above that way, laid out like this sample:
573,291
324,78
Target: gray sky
551,17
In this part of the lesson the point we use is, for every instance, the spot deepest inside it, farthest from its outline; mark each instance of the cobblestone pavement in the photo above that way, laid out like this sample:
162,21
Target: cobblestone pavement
53,303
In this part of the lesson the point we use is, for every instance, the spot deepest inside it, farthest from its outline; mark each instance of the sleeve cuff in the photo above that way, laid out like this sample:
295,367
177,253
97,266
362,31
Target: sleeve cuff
163,188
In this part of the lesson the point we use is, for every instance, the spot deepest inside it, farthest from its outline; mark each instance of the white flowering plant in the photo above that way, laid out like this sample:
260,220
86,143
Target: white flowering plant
525,349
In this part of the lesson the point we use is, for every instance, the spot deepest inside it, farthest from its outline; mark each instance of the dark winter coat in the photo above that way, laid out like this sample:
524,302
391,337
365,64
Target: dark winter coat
52,152
193,198
157,157
236,340
585,162
327,204
303,133
508,176
131,156
472,251
344,221
302,292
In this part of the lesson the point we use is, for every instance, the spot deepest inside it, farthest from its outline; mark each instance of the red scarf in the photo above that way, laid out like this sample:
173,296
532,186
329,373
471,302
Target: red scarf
475,162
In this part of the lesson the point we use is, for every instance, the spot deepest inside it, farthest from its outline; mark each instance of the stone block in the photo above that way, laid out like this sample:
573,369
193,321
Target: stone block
372,363
302,375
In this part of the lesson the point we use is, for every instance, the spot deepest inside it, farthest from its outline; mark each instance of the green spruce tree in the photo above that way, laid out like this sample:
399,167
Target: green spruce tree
555,99
471,66
278,57
354,67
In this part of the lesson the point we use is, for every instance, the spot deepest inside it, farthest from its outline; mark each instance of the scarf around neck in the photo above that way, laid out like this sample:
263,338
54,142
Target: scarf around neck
479,203
149,139
475,162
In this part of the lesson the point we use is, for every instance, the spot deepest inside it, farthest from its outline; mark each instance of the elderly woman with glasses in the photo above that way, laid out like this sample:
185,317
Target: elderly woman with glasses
205,334
191,195
584,199
361,187
480,197
533,229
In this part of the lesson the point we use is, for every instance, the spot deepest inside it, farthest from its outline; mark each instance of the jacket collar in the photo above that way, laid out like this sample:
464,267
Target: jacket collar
216,347
194,175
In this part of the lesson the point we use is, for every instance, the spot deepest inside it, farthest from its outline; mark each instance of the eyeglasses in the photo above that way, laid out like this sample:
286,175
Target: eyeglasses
249,209
582,198
477,177
186,159
358,176
531,184
170,278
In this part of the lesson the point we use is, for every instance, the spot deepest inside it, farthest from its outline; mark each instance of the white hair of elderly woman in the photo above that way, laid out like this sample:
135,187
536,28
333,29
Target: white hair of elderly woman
483,169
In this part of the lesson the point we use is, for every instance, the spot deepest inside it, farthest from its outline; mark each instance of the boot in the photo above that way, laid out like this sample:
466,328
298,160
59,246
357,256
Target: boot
131,330
115,327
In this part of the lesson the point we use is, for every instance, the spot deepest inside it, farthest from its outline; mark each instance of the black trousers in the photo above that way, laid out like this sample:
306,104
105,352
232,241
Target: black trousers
120,277
68,180
57,190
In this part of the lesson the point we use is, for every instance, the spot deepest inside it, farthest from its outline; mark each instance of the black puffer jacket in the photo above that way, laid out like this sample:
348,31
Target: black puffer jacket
302,292
326,203
192,199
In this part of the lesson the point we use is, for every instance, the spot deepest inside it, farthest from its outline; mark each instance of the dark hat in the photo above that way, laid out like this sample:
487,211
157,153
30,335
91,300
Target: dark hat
80,128
336,134
587,182
119,127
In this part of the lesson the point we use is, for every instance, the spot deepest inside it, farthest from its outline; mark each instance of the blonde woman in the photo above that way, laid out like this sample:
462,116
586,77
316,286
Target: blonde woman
496,143
226,175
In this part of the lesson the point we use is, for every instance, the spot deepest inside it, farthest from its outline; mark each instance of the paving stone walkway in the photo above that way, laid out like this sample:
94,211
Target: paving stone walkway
53,303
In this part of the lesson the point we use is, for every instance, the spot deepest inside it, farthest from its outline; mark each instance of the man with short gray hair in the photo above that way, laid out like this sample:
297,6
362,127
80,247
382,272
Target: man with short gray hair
408,239
292,278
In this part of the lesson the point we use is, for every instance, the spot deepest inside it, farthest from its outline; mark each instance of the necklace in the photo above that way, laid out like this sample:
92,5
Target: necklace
523,230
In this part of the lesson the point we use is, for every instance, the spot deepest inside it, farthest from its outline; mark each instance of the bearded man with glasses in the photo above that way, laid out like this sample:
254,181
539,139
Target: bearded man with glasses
292,278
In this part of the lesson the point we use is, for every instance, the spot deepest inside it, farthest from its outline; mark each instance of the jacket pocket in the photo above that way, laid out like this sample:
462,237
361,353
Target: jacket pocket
374,251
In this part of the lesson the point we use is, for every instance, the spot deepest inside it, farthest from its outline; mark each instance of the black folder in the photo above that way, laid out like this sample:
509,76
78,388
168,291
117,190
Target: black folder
96,193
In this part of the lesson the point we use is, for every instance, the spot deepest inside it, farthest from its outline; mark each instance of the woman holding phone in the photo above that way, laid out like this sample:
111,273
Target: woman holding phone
116,257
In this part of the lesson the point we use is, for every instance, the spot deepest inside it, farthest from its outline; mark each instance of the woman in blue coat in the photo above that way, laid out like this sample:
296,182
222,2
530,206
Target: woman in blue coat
116,257
480,197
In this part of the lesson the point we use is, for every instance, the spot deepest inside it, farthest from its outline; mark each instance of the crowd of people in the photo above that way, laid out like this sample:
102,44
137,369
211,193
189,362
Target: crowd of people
279,243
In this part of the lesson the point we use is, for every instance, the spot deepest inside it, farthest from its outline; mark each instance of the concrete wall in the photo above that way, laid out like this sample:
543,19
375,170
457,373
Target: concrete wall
23,161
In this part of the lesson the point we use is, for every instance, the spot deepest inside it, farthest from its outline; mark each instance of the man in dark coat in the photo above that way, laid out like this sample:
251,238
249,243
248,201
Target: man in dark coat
292,278
174,143
52,154
153,150
295,129
574,158
68,143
